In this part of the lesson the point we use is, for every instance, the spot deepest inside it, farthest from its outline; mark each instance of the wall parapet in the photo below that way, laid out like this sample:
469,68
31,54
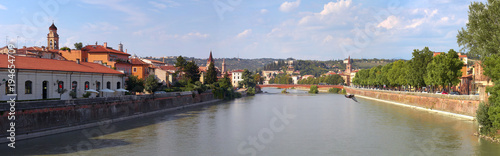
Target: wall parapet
41,116
448,103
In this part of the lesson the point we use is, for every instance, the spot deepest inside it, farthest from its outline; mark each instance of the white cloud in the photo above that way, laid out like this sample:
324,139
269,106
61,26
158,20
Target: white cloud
158,5
289,6
328,39
264,11
417,22
389,23
244,34
195,35
164,4
134,14
332,10
2,7
337,7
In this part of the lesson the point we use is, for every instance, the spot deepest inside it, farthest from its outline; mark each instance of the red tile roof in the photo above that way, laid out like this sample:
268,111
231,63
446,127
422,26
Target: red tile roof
37,49
461,56
102,49
168,68
238,71
137,61
56,65
155,61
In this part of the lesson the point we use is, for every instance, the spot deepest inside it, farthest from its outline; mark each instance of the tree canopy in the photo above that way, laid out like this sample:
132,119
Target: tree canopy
211,75
78,46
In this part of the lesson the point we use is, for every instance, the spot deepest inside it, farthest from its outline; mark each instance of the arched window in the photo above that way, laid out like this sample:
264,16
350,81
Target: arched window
27,87
108,85
87,85
60,87
8,89
98,86
118,85
74,84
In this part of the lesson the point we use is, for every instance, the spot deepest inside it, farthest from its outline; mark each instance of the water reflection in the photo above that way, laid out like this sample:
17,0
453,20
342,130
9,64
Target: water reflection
325,124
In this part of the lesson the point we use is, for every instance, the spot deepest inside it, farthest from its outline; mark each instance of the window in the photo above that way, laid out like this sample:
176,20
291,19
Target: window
87,84
74,84
8,89
108,85
27,87
135,69
98,85
118,85
60,87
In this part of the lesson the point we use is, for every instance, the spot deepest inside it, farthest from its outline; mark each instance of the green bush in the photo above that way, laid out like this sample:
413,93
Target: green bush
483,119
251,91
334,90
314,89
284,91
87,94
344,92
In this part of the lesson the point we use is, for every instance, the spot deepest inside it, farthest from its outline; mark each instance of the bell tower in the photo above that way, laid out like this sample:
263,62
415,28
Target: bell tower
52,38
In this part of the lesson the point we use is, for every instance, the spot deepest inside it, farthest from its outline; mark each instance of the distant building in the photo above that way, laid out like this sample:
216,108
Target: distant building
53,38
307,76
237,76
140,68
39,78
347,74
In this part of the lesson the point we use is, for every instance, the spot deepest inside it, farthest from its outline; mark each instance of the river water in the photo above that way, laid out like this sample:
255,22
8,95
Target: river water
273,124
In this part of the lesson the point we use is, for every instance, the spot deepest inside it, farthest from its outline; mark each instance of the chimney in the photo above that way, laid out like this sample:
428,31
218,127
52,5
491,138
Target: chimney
105,44
78,61
126,51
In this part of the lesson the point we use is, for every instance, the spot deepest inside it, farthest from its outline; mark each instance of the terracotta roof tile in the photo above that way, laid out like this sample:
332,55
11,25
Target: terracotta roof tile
237,71
102,49
137,61
168,68
56,65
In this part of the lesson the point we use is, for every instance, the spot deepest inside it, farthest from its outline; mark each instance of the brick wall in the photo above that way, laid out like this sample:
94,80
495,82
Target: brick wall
38,116
458,106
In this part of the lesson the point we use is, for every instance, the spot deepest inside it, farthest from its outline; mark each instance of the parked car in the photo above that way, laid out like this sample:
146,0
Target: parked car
438,92
454,93
444,92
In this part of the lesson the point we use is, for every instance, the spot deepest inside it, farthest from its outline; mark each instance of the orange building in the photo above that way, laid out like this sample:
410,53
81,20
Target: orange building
139,68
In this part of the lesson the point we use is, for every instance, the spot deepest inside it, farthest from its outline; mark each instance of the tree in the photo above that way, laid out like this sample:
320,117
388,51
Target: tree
248,80
211,76
444,70
397,74
191,72
151,84
480,37
313,89
134,84
417,67
257,78
225,82
66,48
181,62
78,46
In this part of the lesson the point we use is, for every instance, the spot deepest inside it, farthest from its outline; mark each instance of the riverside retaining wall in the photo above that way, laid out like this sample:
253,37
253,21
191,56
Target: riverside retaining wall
41,116
453,104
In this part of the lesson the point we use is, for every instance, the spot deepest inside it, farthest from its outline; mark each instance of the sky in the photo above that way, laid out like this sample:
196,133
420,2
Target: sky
314,30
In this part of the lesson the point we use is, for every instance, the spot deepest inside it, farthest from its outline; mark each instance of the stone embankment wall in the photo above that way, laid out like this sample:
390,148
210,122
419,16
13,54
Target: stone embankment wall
41,116
459,104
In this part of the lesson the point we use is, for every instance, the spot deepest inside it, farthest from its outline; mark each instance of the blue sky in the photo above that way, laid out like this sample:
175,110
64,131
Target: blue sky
319,29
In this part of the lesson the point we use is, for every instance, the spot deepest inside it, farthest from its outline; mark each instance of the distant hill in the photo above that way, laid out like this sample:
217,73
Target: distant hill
307,67
231,63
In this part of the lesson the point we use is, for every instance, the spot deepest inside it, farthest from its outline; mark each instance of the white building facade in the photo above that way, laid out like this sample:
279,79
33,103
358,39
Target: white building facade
37,78
237,76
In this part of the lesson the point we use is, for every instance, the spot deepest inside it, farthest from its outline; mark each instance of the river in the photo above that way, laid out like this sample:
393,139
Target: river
274,124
